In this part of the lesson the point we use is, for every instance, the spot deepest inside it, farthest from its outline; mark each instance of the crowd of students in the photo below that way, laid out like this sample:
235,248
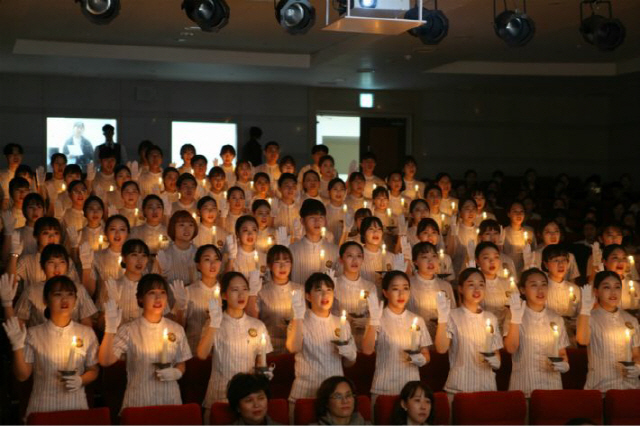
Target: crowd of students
233,262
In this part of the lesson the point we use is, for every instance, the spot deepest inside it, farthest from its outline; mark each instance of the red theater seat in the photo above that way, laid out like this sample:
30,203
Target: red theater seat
435,373
194,382
283,375
278,410
94,416
114,383
188,414
305,410
622,407
503,375
556,407
362,373
386,403
484,408
576,377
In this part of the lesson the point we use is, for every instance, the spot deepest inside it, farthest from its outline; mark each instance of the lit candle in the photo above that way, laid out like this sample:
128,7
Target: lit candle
214,231
556,340
505,273
119,260
442,218
323,231
251,184
453,205
64,187
416,188
195,217
160,239
160,181
415,335
632,260
343,323
374,186
441,253
164,355
344,208
256,258
477,231
269,241
572,296
216,293
402,202
224,194
100,241
484,215
366,204
384,249
627,345
71,362
362,302
632,289
512,283
269,200
389,212
110,188
135,212
262,362
488,336
526,237
322,255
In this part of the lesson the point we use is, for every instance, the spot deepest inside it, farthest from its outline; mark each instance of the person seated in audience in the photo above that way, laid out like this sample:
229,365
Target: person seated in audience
317,152
261,211
187,152
248,396
199,164
552,234
152,230
336,403
13,152
448,204
355,197
497,288
270,165
413,188
208,231
130,203
327,173
150,180
187,186
228,154
534,334
175,262
428,231
368,166
517,236
416,405
59,374
155,347
612,336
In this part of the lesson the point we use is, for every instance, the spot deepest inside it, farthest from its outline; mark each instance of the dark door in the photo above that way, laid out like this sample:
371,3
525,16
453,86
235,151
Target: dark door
386,137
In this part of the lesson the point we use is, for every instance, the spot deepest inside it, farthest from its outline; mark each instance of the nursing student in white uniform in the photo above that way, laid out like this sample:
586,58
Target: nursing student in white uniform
471,337
428,231
208,231
45,351
152,231
321,341
463,232
611,334
236,342
176,261
535,337
244,256
418,210
398,336
377,255
414,188
497,288
156,348
514,235
551,234
615,258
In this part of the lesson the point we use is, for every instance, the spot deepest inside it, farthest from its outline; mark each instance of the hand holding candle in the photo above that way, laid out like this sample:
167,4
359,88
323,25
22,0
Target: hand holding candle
415,335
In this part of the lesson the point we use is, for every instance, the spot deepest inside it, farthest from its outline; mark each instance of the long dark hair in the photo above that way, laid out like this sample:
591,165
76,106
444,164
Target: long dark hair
399,416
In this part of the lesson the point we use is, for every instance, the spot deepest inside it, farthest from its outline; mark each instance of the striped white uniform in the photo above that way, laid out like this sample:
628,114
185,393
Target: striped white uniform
230,174
306,258
172,197
347,297
48,349
103,182
207,236
133,218
496,299
356,203
29,270
92,236
559,301
73,217
245,262
262,242
410,189
197,312
395,204
572,271
373,264
127,300
177,264
319,358
531,367
468,372
445,205
275,311
508,264
608,346
285,215
514,243
156,237
335,220
465,234
30,306
30,245
106,265
229,222
423,299
149,183
369,181
142,343
393,366
178,205
236,344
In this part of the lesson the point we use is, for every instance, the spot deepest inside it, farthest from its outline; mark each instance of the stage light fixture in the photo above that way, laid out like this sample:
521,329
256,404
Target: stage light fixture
514,27
210,15
368,4
295,16
434,29
100,11
604,33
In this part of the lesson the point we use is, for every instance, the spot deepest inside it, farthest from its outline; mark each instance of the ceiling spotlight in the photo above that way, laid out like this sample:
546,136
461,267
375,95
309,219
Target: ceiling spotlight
604,33
368,4
100,11
295,16
210,15
514,27
434,29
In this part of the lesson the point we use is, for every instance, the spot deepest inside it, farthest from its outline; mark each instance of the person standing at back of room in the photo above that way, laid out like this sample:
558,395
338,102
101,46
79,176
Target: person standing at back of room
252,151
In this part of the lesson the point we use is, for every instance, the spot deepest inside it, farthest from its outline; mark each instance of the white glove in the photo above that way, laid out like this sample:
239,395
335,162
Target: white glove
86,255
632,371
224,209
516,306
587,300
216,162
9,222
405,247
72,383
493,361
398,262
298,305
74,236
170,374
112,316
179,294
332,274
353,166
255,282
527,256
402,225
502,236
275,205
166,204
596,254
113,290
453,225
91,171
560,367
282,238
418,359
135,170
268,373
215,314
232,246
347,351
16,333
375,309
163,260
17,244
40,175
471,251
298,230
348,221
7,290
443,305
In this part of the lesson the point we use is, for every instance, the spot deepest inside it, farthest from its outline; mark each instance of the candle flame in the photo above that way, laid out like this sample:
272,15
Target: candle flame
374,186
414,324
632,260
512,282
323,231
526,236
627,334
263,340
213,230
631,285
362,293
224,194
74,341
416,188
269,241
110,188
505,272
365,204
441,253
389,212
135,212
384,249
343,318
344,208
194,215
322,254
64,187
402,202
555,329
255,256
484,215
216,292
165,334
159,181
269,200
160,238
453,205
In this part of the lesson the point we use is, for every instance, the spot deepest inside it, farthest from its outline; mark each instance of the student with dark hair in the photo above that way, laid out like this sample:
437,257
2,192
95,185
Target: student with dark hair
53,185
152,230
327,173
228,154
243,254
235,206
311,186
355,197
105,178
73,217
261,210
13,152
120,152
175,262
416,405
616,258
150,180
18,189
413,188
317,152
187,152
448,204
248,396
187,187
71,173
368,166
336,403
286,210
271,156
208,231
199,164
377,255
33,208
517,235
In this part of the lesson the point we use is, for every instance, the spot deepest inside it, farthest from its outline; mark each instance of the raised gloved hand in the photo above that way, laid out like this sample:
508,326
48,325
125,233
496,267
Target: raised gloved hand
16,333
169,374
91,171
405,247
453,225
215,314
527,256
112,316
86,255
418,359
493,361
632,371
298,230
9,222
135,170
40,176
471,254
179,294
516,306
332,274
73,236
298,304
255,282
224,209
560,367
113,290
375,309
587,299
596,254
8,290
282,237
443,306
232,246
268,373
347,351
72,383
349,221
398,262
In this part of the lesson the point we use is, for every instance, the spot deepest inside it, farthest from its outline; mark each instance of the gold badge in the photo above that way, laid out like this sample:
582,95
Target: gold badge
366,294
171,337
389,267
79,342
220,243
253,332
337,332
329,264
629,326
263,269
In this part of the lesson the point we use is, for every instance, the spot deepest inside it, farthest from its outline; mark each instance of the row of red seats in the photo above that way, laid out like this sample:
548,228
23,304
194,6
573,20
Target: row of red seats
480,408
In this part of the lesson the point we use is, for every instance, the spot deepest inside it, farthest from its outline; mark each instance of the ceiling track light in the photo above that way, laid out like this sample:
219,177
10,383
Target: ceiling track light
435,28
295,16
210,15
516,28
606,33
100,11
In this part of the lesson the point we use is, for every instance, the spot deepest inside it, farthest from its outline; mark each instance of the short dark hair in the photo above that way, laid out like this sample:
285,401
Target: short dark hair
199,157
57,155
285,177
312,207
606,252
483,245
128,184
271,143
259,203
526,274
319,148
225,282
168,170
278,251
442,175
133,246
45,223
179,216
185,177
367,222
369,155
105,152
425,223
380,191
71,169
327,387
422,248
150,282
551,251
149,198
204,248
59,282
335,181
144,146
489,225
326,158
235,189
17,183
345,246
242,220
355,175
216,171
316,280
227,149
399,416
153,148
466,273
432,188
187,147
92,199
202,201
117,217
255,132
244,384
10,147
32,198
602,275
107,127
388,277
75,183
53,251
